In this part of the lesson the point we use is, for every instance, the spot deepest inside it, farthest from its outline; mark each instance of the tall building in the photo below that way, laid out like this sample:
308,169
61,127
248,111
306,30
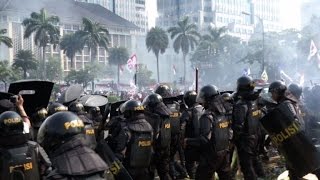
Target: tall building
131,10
219,13
70,13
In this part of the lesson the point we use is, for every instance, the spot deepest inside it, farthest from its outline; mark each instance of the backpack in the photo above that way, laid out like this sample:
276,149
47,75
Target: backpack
19,163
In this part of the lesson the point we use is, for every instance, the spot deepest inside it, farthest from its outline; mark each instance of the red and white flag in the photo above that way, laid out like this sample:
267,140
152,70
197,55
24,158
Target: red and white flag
132,62
313,50
174,69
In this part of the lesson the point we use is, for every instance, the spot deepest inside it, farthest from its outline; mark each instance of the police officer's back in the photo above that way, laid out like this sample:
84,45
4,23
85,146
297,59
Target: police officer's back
62,136
90,137
190,129
214,136
135,146
20,159
158,115
246,128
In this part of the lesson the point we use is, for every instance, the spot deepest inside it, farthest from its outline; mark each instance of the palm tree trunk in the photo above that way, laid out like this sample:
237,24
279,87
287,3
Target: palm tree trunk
184,70
72,66
44,72
118,74
25,74
158,68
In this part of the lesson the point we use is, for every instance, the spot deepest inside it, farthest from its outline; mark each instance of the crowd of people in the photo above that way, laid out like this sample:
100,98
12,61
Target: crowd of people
165,136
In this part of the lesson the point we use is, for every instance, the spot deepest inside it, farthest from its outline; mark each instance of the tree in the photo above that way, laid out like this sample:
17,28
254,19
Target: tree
54,69
118,56
26,61
157,40
46,31
93,35
5,39
143,76
185,37
71,44
82,76
7,74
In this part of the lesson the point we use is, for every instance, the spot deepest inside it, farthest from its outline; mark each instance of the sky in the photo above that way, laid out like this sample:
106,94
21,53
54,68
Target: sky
290,13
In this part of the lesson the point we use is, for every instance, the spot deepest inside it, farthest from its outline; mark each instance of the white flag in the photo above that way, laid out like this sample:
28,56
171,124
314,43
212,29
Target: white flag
313,50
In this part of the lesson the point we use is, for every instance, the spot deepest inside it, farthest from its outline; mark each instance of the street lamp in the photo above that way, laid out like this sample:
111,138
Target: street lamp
261,21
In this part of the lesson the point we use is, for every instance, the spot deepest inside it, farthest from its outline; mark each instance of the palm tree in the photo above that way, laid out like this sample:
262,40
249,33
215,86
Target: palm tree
185,37
118,56
93,35
157,40
70,44
46,31
213,39
25,60
5,39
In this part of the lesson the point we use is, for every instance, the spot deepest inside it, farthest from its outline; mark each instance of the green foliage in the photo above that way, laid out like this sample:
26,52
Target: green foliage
25,60
185,36
71,44
112,99
93,35
54,69
157,40
5,39
45,31
144,76
83,76
7,74
118,56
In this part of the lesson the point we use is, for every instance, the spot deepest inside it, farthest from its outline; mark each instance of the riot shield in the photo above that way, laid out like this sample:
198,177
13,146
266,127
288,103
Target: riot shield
4,95
285,132
36,94
71,94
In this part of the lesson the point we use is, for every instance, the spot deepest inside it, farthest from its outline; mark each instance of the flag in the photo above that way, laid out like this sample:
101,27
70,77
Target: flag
301,80
264,75
313,50
132,62
246,72
121,69
174,69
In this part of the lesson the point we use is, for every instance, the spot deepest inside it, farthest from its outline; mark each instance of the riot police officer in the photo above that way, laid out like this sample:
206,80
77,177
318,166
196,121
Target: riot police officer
134,146
214,136
296,91
158,115
56,107
90,137
190,129
37,118
165,92
284,128
62,136
246,128
20,158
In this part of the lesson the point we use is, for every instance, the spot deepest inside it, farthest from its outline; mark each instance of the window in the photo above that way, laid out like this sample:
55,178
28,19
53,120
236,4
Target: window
207,9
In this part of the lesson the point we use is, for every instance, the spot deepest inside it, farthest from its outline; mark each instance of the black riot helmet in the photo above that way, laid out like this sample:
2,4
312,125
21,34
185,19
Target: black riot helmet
277,87
11,124
131,108
189,98
76,107
245,84
56,107
59,128
295,90
226,96
207,93
39,116
163,90
152,100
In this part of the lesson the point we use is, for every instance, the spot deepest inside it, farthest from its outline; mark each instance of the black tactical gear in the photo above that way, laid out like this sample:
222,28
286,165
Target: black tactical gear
164,91
58,128
90,134
152,100
189,98
282,124
245,84
207,93
11,124
278,87
74,160
158,115
76,107
36,119
56,107
295,89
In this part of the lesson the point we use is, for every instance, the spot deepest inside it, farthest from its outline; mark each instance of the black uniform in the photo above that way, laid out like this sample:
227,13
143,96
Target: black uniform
214,136
19,158
190,129
62,136
158,115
